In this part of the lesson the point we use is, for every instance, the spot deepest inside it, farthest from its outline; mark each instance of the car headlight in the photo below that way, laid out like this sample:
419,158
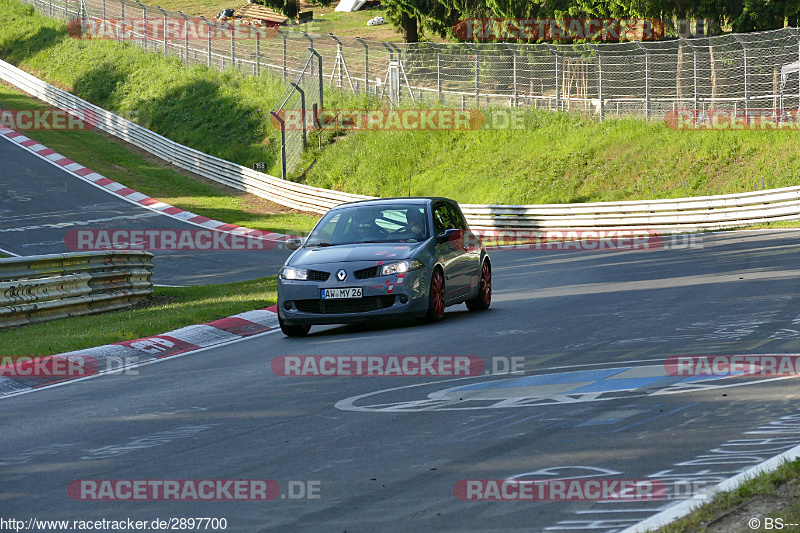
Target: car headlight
401,267
294,273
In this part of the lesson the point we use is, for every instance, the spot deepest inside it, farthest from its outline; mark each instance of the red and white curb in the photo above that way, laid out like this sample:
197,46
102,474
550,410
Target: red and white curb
120,356
130,195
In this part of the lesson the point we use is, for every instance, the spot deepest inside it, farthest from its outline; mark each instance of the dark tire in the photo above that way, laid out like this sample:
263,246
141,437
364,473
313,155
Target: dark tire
483,300
293,331
436,298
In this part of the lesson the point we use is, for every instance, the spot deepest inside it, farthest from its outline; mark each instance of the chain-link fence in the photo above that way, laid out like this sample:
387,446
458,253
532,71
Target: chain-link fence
297,111
644,79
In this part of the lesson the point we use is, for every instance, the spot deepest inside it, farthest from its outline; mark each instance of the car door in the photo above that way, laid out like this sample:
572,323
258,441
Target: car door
450,252
470,243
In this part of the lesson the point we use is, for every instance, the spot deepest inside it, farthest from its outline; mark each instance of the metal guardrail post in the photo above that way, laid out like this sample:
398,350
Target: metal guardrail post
283,142
366,63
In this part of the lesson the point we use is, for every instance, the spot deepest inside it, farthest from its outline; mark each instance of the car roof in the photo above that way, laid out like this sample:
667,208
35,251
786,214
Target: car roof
400,200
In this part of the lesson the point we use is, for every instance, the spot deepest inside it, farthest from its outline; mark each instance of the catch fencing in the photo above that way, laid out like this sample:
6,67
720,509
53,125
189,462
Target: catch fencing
636,78
303,96
46,287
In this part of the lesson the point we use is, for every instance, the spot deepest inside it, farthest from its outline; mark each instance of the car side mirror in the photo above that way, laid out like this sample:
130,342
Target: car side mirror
294,244
448,235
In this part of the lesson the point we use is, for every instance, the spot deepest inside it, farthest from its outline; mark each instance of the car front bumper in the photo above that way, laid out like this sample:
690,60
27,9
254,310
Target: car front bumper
300,302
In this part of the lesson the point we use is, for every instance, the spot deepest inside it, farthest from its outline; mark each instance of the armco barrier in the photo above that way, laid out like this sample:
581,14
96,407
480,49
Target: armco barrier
45,287
682,214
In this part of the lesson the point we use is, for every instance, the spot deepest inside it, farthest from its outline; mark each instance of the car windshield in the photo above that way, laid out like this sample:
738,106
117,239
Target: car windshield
371,223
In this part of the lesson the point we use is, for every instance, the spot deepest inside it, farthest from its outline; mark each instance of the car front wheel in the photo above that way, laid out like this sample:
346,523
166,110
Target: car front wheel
483,300
436,297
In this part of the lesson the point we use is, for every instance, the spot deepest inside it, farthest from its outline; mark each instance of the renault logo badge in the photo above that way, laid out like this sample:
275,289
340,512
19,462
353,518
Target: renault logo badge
341,274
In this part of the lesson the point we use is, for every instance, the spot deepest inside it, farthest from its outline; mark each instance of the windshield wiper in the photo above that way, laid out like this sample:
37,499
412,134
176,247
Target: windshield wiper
321,244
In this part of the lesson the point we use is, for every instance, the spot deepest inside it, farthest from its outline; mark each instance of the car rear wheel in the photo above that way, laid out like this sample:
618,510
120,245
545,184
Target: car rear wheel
436,297
293,330
483,300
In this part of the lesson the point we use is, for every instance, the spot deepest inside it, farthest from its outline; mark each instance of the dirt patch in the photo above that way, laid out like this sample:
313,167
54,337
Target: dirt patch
736,520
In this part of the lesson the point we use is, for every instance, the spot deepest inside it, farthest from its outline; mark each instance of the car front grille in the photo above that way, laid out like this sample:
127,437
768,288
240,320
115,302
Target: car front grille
370,272
318,275
356,305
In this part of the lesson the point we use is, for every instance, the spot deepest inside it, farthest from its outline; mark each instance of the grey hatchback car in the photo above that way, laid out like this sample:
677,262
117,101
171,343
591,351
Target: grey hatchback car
380,259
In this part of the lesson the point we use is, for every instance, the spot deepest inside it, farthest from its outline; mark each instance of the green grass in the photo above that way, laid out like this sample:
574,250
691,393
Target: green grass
555,158
154,179
764,485
173,307
559,158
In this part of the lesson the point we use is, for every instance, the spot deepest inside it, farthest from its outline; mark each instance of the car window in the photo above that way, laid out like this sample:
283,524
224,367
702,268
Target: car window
457,217
443,219
371,223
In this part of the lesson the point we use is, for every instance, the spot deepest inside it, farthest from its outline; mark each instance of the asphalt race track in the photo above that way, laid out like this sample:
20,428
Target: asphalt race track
40,203
593,329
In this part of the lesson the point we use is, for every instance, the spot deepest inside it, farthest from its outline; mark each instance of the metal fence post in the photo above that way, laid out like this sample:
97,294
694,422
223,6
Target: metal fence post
557,57
66,11
600,82
646,80
310,40
744,54
477,74
233,44
284,53
302,112
694,79
144,18
319,76
122,2
258,51
510,48
185,36
208,57
283,142
366,63
165,28
50,4
438,71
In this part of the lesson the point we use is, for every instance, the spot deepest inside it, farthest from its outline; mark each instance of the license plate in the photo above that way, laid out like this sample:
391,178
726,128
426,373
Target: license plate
340,294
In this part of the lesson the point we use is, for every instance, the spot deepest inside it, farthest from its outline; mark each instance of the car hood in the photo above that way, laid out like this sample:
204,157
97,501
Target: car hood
393,251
